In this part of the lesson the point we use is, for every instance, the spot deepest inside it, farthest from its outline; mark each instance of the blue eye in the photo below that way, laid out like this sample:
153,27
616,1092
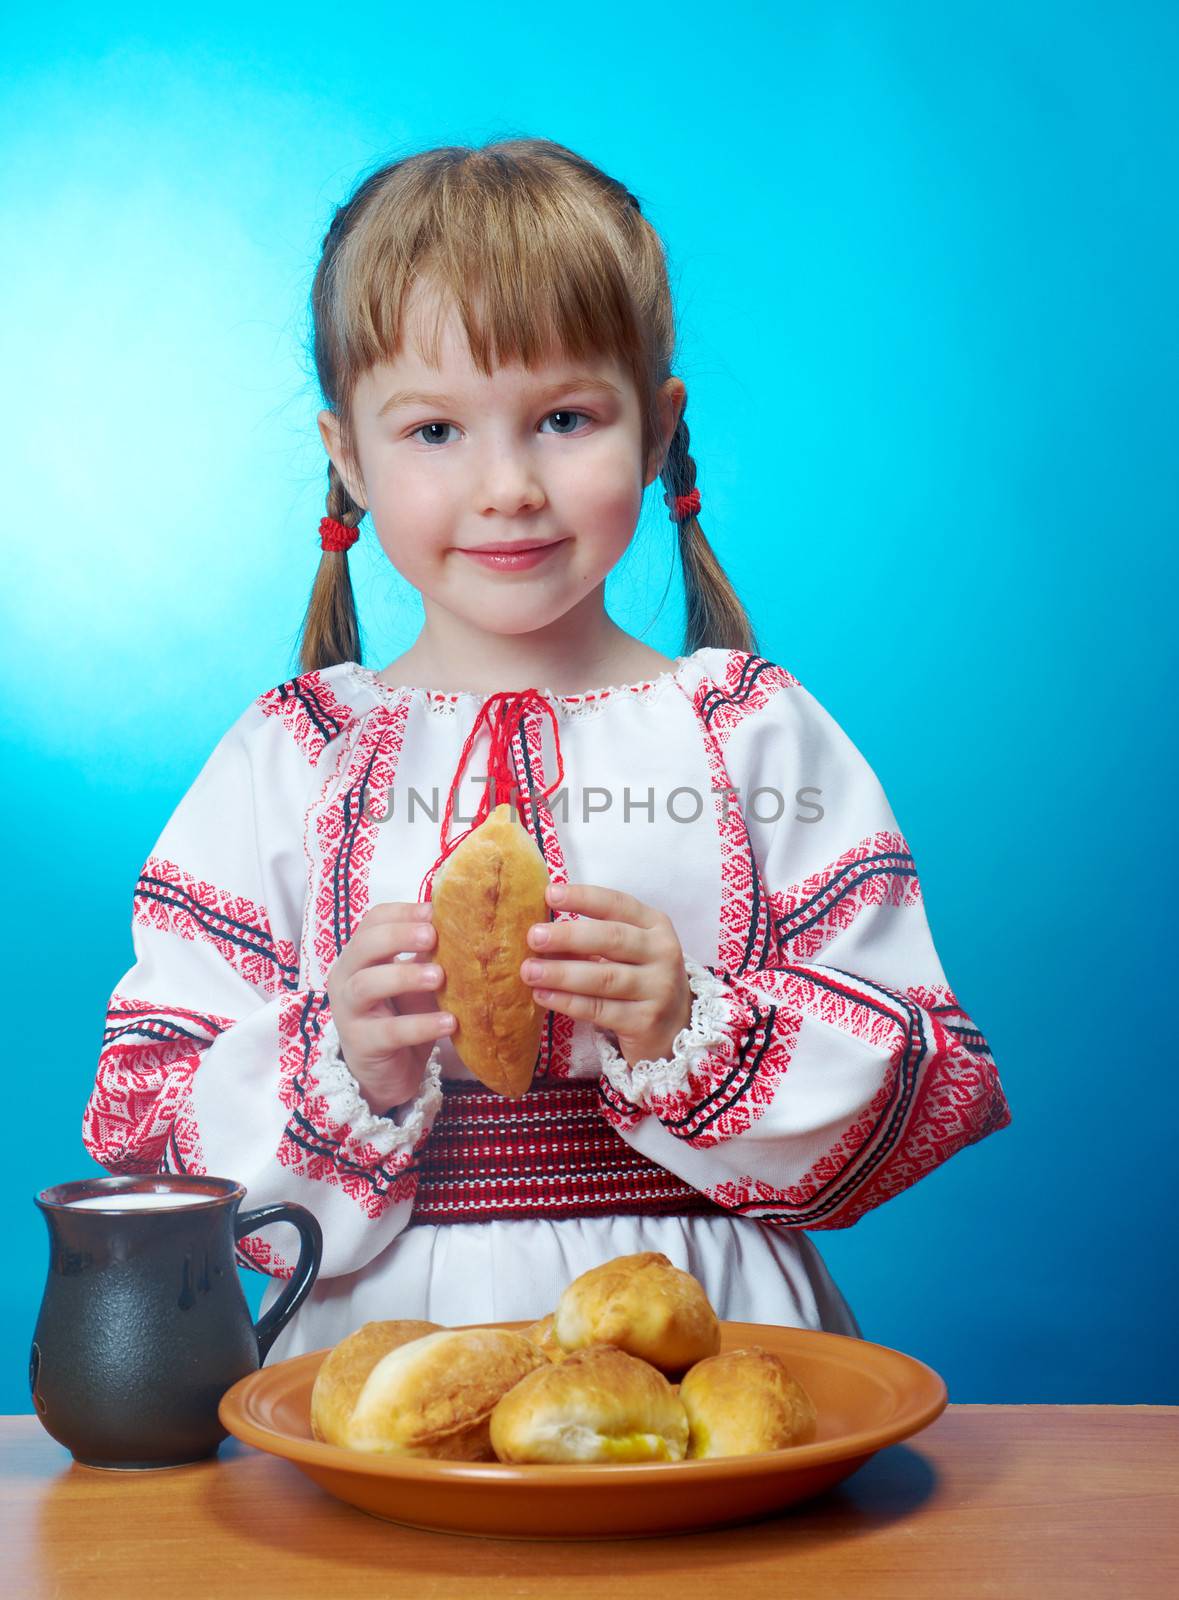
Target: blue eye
417,432
426,425
566,414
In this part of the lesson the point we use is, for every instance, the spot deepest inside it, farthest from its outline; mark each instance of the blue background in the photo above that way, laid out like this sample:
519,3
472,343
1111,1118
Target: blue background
925,261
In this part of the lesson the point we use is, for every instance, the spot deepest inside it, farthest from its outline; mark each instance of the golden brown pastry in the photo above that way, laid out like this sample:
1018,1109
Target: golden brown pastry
486,895
743,1402
430,1396
346,1366
644,1305
544,1337
596,1405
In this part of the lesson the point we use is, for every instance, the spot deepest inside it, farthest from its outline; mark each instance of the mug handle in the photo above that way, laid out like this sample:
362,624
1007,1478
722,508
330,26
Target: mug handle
306,1268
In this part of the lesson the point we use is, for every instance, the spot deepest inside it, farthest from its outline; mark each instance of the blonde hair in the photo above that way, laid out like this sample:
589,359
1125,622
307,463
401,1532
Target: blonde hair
554,254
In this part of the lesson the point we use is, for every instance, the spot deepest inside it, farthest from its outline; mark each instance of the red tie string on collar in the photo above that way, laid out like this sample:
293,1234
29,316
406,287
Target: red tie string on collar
502,712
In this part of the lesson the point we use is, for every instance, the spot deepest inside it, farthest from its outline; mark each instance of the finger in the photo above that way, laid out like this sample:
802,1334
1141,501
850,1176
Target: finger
616,941
385,941
615,1014
592,900
606,979
372,986
377,1036
397,911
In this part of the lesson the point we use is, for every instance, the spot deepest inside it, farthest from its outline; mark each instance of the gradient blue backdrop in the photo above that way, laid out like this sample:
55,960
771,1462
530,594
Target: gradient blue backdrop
925,263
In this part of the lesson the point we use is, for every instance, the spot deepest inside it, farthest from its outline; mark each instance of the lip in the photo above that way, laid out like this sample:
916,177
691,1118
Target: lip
514,558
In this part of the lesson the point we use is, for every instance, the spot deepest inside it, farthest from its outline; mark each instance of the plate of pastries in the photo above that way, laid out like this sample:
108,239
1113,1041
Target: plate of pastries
629,1409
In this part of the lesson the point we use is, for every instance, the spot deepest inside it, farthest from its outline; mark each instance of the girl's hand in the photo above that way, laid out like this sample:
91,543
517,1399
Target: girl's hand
621,967
383,1008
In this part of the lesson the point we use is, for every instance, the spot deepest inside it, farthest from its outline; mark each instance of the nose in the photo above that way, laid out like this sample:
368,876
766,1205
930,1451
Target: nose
510,483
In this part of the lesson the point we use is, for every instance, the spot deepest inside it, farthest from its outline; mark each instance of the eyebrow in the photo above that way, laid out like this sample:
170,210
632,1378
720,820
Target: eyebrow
415,397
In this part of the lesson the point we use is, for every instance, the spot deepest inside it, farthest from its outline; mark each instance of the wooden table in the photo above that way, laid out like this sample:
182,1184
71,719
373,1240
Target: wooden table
1038,1500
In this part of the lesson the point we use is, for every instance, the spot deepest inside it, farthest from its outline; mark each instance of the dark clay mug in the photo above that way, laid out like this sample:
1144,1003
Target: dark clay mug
144,1324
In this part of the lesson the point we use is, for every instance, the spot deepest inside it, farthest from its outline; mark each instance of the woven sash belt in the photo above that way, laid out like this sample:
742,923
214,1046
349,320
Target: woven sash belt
550,1154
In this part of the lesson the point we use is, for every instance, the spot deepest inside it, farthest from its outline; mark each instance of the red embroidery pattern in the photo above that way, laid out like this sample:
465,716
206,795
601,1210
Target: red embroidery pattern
743,1193
731,1089
876,871
347,838
169,900
262,1257
958,1102
723,1099
943,1003
849,1147
183,1152
619,1112
866,1012
549,1154
310,712
749,683
934,997
313,1144
139,1116
145,1069
746,932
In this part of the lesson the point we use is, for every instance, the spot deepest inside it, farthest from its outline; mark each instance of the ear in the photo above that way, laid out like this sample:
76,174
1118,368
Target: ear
671,400
329,432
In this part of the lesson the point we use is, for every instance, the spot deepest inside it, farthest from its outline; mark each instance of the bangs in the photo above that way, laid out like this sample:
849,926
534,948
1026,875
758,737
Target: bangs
532,270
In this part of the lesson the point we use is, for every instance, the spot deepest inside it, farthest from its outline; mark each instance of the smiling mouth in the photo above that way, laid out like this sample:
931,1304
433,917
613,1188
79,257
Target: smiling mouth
520,558
509,549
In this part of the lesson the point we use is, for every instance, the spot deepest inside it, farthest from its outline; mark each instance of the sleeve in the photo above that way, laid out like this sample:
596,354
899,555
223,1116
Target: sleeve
215,1059
833,1067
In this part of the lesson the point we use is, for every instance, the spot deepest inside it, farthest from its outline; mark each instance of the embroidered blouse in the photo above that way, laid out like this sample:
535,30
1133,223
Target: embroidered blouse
827,1064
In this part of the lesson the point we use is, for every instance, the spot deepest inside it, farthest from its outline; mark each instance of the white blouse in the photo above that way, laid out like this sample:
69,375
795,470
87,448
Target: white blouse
827,1065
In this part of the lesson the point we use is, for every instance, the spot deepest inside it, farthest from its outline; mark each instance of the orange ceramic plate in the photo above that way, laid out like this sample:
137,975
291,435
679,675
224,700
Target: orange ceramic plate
866,1395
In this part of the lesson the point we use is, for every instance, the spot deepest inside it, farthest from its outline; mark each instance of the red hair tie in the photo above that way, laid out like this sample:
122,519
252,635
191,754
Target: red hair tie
683,506
335,535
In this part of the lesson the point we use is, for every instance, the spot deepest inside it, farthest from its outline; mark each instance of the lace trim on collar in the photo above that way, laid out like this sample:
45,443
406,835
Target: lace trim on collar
468,701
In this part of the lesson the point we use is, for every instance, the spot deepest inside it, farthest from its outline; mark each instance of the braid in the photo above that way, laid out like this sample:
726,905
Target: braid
331,630
715,615
340,503
679,469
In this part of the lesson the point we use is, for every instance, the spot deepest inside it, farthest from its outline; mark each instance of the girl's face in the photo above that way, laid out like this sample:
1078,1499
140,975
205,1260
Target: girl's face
451,461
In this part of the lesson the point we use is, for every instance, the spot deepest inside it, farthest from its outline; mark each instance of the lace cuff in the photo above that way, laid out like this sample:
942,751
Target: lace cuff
402,1128
709,1028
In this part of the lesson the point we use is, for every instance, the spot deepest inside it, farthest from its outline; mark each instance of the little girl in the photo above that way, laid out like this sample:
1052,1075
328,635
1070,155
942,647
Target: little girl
747,1031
